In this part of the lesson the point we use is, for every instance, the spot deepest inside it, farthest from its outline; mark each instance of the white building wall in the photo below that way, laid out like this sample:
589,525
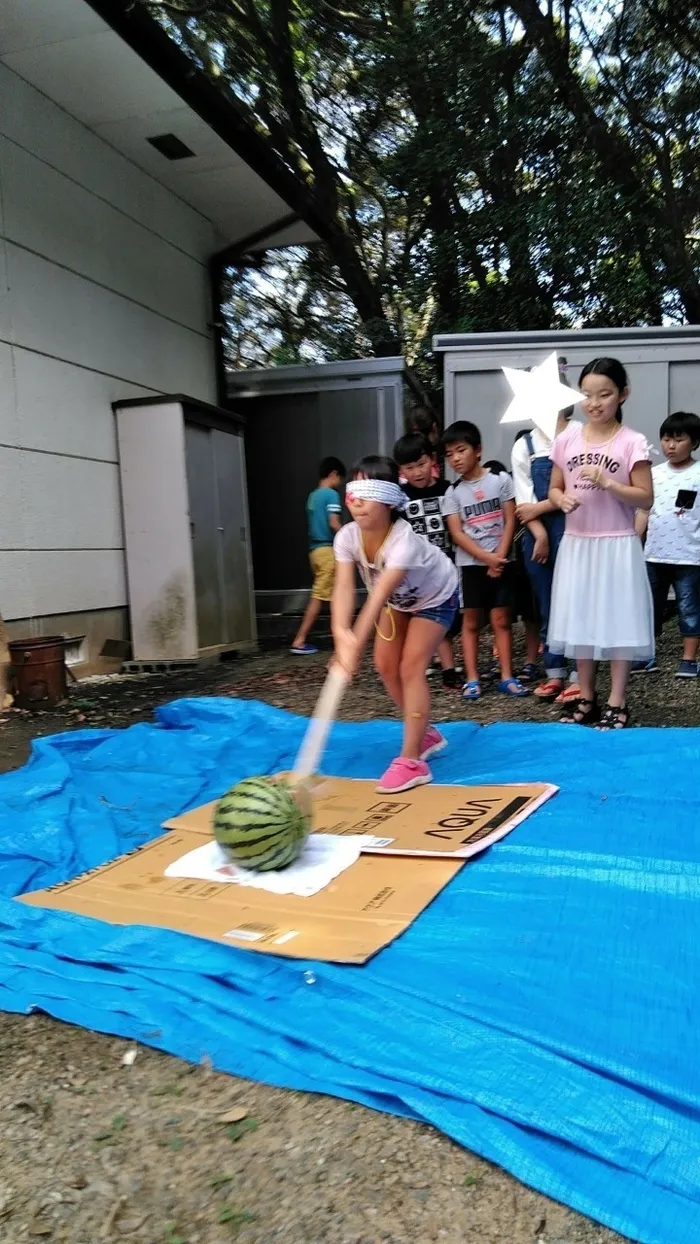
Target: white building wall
103,295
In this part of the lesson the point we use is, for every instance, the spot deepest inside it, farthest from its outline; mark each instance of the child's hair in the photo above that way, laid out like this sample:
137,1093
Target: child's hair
375,466
682,423
495,467
420,419
462,431
329,465
412,447
613,369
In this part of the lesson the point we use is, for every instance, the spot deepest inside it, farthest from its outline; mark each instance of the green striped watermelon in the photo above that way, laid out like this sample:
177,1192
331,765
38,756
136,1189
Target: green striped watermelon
260,824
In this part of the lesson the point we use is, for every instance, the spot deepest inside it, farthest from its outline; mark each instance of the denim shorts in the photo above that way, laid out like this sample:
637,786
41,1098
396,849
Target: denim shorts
685,581
443,614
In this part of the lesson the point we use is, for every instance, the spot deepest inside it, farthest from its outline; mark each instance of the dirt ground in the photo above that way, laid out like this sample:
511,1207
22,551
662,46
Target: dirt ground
160,1152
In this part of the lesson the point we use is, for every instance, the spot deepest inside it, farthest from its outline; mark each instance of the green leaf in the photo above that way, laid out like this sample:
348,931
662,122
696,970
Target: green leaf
236,1130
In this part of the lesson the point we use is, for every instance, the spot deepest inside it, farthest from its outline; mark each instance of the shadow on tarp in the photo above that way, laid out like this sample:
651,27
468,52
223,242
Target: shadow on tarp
544,1011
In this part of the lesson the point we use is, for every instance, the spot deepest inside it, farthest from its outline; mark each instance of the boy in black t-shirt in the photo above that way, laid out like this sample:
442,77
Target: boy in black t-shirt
415,459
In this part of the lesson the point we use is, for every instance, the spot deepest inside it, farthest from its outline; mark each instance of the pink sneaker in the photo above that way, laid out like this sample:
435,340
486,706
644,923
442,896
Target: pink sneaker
404,774
433,742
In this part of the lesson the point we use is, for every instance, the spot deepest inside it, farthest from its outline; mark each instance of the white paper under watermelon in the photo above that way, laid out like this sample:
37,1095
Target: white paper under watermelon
324,857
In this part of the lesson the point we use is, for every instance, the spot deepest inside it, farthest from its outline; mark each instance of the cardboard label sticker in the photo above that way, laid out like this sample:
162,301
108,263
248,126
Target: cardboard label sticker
251,932
446,821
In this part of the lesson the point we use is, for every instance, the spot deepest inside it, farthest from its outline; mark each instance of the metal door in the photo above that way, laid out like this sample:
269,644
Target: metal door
234,562
283,452
204,529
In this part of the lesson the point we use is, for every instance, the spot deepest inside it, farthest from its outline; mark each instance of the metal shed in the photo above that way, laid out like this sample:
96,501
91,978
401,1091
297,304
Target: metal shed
294,417
663,365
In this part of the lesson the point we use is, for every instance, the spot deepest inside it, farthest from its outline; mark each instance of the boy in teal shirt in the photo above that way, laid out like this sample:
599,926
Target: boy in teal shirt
323,510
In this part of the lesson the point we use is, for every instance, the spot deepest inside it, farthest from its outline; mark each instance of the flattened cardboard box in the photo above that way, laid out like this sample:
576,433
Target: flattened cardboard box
364,909
444,821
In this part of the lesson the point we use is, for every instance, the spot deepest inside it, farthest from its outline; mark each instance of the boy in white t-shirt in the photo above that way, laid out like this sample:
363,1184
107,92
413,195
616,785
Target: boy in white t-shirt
672,529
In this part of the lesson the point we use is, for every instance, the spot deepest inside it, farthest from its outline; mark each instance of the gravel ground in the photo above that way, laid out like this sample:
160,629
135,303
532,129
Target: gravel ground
159,1152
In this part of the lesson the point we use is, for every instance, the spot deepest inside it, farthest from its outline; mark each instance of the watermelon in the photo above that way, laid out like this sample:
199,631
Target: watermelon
260,824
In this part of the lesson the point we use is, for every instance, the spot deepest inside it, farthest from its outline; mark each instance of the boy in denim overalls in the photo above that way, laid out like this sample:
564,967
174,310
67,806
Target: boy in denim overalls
544,528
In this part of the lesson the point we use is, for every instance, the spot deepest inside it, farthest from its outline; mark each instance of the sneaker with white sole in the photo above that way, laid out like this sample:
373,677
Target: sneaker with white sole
433,742
646,667
687,669
404,774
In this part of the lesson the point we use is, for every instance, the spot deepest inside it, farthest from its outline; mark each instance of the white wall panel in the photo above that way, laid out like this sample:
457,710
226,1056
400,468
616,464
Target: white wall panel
103,296
4,283
68,317
38,584
12,508
69,503
43,21
52,215
32,121
63,409
685,386
8,404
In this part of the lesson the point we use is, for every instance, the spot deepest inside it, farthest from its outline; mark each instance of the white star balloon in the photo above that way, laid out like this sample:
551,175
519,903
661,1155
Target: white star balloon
539,396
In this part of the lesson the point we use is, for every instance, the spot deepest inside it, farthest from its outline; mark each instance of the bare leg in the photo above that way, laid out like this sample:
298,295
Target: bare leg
690,649
422,639
619,674
586,678
471,625
500,621
311,613
532,643
387,652
446,655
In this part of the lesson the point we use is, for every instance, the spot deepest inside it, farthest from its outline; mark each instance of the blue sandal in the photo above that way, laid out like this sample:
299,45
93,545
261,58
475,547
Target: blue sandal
512,686
471,690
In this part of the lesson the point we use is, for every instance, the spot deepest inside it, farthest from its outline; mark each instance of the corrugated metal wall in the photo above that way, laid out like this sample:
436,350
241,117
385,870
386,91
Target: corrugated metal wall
663,365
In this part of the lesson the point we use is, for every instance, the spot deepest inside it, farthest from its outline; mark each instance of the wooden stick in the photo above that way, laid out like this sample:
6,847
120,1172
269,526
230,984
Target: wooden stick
318,729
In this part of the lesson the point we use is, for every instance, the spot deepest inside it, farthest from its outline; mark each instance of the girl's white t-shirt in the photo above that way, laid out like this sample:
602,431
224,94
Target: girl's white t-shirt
431,577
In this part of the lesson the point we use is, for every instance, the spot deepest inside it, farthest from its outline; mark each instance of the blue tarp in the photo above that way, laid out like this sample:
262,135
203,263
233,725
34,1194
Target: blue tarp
544,1011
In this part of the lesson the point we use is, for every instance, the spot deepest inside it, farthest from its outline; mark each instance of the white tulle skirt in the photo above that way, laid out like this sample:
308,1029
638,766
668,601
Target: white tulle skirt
601,600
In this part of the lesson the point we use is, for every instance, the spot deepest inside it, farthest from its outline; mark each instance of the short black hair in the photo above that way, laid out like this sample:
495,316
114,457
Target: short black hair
411,447
682,423
420,419
376,466
329,465
496,467
464,431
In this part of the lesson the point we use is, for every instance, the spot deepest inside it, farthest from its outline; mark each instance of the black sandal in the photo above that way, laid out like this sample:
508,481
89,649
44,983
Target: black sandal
582,713
614,718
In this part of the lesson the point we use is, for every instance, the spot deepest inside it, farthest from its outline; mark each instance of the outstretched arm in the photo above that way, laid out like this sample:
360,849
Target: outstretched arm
351,641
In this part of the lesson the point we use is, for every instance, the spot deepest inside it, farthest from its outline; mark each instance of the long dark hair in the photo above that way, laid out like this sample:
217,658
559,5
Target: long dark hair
613,369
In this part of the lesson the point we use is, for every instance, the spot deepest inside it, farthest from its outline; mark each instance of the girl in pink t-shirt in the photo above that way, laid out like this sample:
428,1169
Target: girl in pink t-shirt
601,601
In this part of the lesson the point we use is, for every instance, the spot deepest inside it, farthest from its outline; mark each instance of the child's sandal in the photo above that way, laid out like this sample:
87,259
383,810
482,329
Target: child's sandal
471,690
513,687
614,718
582,713
528,673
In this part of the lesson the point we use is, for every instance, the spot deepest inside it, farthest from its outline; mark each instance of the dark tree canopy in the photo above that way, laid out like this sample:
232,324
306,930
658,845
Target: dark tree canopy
475,165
